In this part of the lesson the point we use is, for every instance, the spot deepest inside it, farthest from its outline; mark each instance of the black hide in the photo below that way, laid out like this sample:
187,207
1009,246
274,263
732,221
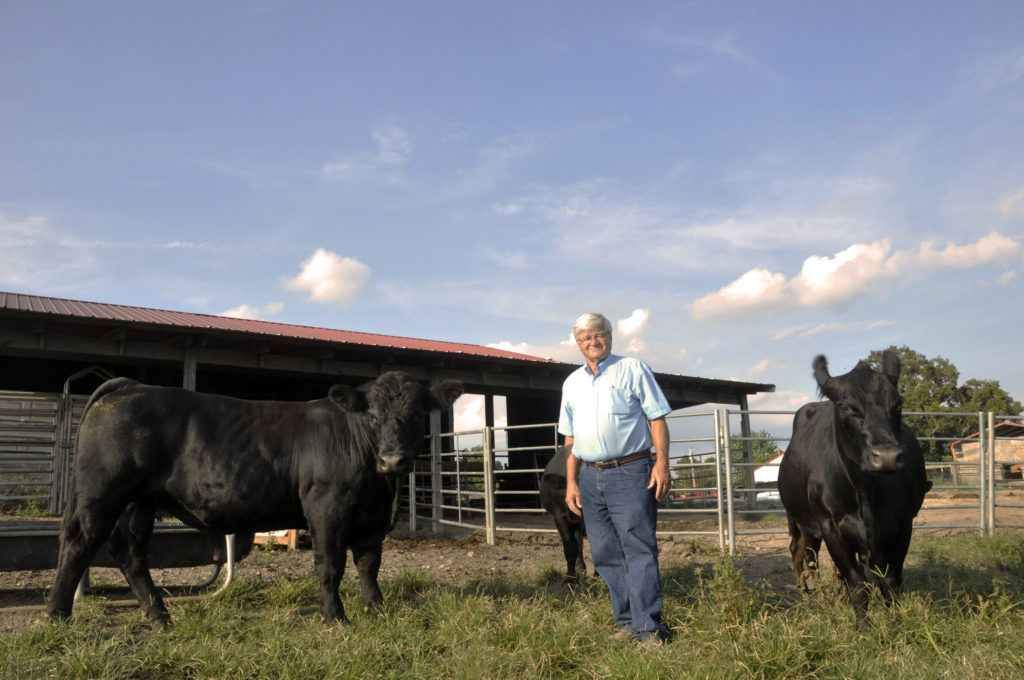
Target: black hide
570,525
854,476
333,466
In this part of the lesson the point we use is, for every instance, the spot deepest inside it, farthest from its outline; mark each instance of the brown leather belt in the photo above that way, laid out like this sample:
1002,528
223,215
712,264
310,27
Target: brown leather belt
605,464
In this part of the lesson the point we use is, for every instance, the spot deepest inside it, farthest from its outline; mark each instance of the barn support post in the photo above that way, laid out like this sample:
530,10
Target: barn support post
435,473
488,438
190,364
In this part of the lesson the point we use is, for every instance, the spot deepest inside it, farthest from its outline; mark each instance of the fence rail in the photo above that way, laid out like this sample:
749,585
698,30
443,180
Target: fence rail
717,490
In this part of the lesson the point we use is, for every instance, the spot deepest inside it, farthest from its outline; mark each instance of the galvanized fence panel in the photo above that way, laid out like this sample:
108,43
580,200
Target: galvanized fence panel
480,490
27,436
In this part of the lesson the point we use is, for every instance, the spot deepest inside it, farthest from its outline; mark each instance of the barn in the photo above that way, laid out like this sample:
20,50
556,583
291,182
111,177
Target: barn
1008,445
55,351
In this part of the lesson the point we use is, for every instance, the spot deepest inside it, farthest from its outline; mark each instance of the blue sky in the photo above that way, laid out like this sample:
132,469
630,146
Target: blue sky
742,185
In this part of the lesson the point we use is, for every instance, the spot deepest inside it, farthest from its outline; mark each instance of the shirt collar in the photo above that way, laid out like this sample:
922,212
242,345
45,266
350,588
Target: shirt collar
601,367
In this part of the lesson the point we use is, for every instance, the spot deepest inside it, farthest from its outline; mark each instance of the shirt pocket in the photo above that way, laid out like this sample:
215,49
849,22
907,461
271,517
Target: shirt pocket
619,402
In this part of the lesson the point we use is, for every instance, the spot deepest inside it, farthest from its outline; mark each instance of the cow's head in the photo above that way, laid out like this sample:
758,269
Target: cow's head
397,407
869,411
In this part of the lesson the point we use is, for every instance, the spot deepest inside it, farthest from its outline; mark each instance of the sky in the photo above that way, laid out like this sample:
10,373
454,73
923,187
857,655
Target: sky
738,186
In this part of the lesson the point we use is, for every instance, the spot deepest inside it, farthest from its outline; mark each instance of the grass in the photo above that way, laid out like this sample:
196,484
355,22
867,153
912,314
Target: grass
961,617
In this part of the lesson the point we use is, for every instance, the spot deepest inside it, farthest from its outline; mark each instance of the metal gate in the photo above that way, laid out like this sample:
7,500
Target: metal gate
718,490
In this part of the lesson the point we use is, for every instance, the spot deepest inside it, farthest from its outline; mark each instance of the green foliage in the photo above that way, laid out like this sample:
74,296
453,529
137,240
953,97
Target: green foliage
933,385
762,444
960,617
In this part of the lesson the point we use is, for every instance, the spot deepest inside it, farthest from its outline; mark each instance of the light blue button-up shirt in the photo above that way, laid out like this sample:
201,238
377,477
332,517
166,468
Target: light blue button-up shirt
607,414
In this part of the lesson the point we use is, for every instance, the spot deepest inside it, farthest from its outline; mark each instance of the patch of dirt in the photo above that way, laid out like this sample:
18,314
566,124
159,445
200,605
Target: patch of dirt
462,558
457,560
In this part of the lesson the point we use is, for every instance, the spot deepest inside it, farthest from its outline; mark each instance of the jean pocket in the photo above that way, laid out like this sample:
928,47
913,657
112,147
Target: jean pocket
638,469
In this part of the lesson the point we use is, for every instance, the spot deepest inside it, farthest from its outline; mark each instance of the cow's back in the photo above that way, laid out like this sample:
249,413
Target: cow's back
205,457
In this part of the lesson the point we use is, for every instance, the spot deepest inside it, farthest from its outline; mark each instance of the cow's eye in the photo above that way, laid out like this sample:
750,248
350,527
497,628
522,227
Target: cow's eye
849,410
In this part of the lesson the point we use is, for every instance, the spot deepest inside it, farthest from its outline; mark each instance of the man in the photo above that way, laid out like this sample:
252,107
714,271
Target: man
612,413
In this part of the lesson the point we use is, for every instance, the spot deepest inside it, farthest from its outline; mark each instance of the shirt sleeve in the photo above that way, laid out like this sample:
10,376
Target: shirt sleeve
565,416
652,399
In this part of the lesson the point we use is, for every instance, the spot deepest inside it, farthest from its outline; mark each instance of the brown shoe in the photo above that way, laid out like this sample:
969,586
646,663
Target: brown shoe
621,635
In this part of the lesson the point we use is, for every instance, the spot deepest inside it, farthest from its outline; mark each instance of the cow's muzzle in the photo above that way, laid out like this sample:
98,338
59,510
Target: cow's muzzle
884,458
392,464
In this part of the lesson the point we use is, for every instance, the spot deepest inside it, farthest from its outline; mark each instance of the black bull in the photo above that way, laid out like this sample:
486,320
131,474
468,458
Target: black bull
570,526
854,475
332,465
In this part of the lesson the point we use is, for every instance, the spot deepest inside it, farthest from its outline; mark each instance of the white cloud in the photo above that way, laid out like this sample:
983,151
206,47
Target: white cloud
634,323
810,329
1012,206
254,312
993,248
837,281
757,290
384,164
330,278
564,351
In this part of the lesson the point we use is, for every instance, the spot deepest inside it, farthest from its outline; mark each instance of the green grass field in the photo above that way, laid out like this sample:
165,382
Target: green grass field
961,617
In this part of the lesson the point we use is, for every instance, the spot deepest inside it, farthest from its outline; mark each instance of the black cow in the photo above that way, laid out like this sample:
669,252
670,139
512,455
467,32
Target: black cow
570,525
854,475
332,465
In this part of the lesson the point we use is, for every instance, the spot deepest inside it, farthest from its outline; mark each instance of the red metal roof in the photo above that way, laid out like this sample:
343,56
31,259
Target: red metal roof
143,315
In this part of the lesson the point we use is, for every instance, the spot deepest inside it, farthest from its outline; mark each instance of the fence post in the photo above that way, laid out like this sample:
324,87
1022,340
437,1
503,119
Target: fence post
488,437
991,488
412,499
729,501
719,491
982,487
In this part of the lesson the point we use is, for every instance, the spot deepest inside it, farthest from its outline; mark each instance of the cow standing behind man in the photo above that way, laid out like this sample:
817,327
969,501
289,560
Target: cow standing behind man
332,465
570,526
854,476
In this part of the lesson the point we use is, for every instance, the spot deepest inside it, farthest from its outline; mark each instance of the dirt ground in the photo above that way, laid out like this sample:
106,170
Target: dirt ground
461,559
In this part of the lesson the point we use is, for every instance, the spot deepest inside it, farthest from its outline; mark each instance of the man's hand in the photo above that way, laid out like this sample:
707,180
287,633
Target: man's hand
572,473
572,498
661,480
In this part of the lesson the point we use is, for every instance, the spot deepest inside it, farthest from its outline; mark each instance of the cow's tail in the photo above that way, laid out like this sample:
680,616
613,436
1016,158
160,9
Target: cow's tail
108,387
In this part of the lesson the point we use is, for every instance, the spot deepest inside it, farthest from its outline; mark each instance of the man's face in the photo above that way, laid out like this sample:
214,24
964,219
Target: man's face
595,344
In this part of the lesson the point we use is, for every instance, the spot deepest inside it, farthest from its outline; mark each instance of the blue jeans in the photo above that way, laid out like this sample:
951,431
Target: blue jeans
620,513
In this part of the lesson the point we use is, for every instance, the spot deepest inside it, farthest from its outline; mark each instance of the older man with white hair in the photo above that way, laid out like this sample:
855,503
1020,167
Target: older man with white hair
612,414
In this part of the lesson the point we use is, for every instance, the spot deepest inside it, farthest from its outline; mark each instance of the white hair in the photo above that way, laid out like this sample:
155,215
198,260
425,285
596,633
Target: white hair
591,320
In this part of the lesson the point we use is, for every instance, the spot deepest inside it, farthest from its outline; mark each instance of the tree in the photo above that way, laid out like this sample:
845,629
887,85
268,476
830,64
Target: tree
932,385
762,444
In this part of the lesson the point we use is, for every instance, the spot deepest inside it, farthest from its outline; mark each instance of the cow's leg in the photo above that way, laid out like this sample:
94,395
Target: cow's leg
803,548
329,545
889,562
367,561
851,565
570,544
129,545
577,534
84,528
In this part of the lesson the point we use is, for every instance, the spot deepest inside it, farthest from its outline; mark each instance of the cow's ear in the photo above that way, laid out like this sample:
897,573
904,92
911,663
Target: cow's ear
821,375
891,366
348,398
447,392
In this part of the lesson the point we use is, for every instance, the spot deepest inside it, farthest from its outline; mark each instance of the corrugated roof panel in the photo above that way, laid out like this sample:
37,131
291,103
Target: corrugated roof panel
144,315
